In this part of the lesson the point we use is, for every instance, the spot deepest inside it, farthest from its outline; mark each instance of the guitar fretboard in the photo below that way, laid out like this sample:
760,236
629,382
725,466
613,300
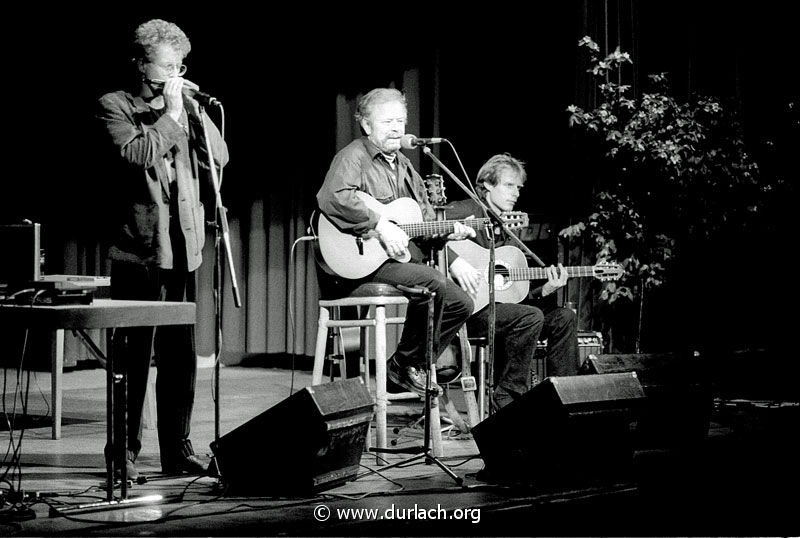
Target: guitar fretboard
434,227
539,273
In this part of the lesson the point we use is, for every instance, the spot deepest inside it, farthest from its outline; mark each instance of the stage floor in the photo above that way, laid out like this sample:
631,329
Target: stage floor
741,480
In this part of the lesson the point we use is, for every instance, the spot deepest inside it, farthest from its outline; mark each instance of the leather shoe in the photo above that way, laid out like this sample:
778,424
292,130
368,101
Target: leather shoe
499,399
191,464
410,378
131,470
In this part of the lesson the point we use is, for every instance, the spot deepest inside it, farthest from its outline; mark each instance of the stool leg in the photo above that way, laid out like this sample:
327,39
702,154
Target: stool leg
322,341
481,360
365,374
489,383
435,424
364,358
380,376
343,355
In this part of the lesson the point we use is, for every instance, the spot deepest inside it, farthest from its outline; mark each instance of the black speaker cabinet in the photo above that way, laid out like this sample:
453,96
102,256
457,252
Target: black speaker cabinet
309,442
677,410
563,428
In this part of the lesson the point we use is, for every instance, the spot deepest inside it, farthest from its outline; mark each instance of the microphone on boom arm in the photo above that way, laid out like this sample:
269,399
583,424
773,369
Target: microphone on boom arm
409,141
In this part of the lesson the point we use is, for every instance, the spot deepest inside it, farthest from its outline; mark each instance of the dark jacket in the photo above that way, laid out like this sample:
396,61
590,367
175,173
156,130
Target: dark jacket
146,141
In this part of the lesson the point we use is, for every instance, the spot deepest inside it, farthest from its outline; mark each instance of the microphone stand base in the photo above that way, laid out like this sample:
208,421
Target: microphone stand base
419,452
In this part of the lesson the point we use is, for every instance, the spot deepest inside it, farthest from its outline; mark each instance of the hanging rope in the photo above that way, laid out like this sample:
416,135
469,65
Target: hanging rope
634,50
605,31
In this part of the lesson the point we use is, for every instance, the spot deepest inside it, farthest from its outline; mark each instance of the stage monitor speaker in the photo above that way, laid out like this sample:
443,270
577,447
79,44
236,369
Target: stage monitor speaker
677,410
564,428
311,441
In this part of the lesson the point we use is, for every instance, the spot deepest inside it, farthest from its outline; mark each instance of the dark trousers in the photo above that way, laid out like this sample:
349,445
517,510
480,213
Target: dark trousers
560,329
518,328
452,307
174,350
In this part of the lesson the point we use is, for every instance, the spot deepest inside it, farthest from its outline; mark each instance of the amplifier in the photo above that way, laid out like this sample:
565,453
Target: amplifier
589,343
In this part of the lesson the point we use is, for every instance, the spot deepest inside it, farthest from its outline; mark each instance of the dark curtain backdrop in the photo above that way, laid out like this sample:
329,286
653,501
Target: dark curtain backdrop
498,79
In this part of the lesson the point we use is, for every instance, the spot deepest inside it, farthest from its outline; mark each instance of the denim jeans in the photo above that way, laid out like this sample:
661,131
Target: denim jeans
452,307
518,328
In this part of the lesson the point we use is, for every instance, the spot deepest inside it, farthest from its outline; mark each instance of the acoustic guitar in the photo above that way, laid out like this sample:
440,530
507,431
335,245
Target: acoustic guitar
512,274
352,257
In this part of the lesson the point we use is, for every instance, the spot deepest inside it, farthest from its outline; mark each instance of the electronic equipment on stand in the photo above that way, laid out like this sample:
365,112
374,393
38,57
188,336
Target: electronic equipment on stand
21,273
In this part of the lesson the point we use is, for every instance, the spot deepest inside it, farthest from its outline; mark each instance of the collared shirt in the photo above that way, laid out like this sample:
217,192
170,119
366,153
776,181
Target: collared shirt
360,166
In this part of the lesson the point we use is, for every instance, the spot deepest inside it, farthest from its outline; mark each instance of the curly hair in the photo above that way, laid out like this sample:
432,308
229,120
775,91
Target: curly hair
376,97
149,35
490,171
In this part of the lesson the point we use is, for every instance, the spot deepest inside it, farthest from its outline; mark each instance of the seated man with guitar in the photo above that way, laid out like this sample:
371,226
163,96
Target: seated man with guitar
518,326
366,180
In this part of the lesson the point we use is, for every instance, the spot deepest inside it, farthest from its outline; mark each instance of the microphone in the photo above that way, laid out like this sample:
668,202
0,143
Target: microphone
409,141
189,89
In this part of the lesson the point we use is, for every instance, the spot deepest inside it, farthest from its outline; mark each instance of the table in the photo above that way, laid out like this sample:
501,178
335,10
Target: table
100,314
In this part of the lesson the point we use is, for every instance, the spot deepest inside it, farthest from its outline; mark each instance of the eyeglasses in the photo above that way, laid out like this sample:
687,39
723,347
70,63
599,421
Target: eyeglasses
178,69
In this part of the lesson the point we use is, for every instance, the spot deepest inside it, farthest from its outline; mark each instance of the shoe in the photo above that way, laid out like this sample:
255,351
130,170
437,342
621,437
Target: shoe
410,378
485,475
191,464
503,476
499,399
130,468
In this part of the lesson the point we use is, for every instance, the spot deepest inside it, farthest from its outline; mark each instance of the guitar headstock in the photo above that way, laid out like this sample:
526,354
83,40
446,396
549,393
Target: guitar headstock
608,271
434,184
514,219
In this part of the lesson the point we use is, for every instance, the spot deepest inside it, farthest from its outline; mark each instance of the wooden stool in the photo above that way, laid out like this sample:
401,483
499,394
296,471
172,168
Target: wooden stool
374,295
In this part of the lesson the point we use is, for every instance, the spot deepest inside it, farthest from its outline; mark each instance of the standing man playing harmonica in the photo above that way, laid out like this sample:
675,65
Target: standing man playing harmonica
157,135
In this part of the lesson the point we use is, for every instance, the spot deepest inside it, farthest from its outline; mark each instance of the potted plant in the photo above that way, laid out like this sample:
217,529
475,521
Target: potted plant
671,176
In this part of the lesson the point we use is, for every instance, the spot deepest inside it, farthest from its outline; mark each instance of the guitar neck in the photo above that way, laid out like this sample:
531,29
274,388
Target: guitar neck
436,227
539,273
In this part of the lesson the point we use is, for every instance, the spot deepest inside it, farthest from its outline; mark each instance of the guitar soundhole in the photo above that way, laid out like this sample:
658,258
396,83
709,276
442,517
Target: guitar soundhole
501,277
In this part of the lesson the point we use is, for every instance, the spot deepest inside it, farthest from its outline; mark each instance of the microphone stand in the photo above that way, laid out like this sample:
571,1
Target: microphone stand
426,450
496,221
222,233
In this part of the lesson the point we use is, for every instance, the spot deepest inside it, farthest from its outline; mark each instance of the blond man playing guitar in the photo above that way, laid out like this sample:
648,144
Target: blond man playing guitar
518,326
